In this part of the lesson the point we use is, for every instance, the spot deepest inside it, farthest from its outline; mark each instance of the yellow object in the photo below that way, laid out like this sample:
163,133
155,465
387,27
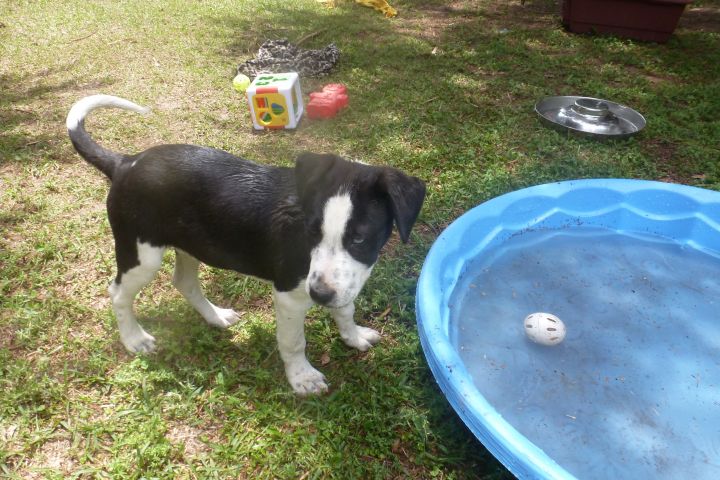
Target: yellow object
379,5
270,110
241,82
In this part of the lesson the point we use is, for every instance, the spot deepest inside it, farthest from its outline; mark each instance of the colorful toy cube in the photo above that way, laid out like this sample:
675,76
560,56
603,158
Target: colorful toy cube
275,101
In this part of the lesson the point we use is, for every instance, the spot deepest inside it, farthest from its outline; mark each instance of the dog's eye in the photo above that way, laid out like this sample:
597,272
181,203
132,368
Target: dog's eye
315,228
358,239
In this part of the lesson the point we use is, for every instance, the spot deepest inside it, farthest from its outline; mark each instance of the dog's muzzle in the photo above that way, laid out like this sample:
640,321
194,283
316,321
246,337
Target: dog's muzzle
321,292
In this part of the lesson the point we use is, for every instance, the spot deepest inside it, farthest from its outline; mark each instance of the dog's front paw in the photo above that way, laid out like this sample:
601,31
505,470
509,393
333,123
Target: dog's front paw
361,338
305,380
138,342
223,317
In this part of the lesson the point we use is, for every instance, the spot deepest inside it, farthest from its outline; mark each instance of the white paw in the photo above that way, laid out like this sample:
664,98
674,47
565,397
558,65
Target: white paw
361,338
305,380
138,342
223,317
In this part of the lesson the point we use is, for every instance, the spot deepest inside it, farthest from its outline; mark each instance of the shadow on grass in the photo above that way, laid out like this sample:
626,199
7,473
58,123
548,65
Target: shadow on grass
24,136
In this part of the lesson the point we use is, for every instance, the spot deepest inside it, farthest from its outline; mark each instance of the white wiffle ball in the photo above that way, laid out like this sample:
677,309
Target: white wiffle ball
545,328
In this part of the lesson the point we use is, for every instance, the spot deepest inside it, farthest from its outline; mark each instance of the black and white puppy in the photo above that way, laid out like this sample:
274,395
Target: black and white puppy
315,231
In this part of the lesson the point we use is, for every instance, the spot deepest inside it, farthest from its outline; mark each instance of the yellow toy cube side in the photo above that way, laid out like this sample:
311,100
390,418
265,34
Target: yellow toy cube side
275,101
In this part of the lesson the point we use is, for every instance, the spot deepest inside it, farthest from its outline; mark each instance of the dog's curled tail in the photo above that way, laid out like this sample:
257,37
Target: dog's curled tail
104,160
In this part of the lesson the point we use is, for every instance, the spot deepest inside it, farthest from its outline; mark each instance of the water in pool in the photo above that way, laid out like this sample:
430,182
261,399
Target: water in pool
634,389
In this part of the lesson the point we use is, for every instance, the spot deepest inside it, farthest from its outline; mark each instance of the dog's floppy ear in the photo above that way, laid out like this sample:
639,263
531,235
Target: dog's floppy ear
406,196
310,171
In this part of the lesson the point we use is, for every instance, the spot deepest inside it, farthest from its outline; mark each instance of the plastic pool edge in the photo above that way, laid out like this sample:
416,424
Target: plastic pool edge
522,457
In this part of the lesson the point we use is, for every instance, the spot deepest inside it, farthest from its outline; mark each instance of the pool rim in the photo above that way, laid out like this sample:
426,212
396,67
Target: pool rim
519,455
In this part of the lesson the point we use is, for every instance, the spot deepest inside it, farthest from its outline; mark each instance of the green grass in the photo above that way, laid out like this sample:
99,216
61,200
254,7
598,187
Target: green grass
445,91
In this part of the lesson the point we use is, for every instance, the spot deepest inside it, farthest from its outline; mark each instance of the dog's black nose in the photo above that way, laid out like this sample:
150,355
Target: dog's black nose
321,293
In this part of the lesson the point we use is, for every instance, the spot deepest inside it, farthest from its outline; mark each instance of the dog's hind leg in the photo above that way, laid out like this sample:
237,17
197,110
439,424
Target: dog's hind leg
186,281
146,260
290,310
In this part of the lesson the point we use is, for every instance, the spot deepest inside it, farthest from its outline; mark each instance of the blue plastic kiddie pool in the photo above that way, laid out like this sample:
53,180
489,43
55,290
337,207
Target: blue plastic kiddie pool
633,270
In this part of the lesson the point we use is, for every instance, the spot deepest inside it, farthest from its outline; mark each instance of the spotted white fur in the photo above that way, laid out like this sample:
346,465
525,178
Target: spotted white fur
331,265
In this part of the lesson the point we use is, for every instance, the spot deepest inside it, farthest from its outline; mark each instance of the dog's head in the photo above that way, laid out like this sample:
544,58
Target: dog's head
349,212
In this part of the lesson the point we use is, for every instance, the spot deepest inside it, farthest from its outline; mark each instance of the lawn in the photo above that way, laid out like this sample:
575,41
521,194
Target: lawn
444,91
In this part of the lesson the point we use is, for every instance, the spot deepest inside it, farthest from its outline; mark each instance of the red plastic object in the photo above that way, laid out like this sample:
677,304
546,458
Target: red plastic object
327,102
648,20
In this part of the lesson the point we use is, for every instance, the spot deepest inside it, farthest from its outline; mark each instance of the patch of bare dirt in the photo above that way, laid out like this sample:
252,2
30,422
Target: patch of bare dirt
55,456
191,439
530,15
705,18
430,22
652,78
671,169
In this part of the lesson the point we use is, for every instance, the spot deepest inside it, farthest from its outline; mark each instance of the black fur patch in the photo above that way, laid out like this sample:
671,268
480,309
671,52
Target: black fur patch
263,221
